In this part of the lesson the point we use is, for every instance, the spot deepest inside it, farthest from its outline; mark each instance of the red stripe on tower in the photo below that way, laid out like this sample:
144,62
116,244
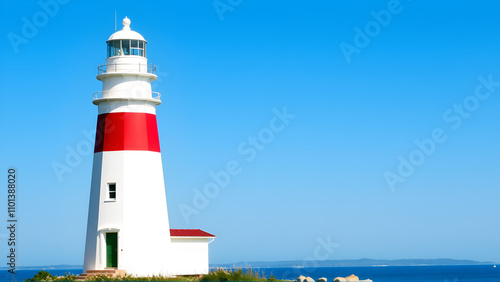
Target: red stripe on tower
126,131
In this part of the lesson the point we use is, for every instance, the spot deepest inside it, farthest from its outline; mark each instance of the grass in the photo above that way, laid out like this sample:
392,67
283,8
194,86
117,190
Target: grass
46,276
133,278
237,274
220,274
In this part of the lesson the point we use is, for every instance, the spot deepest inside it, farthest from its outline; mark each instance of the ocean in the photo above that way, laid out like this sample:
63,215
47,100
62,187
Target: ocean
463,273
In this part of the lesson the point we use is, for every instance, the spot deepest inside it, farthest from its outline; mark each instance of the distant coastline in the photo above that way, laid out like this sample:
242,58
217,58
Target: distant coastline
306,263
46,267
352,263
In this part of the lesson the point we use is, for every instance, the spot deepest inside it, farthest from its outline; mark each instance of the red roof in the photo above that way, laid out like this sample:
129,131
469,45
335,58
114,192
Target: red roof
189,233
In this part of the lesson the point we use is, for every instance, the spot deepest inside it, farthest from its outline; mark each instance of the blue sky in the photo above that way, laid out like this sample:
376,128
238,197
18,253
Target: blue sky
224,70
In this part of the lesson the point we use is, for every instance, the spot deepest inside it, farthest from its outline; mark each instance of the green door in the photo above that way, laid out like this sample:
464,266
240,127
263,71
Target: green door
112,249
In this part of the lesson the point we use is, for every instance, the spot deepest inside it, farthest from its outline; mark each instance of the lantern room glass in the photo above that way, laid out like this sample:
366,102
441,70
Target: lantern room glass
126,47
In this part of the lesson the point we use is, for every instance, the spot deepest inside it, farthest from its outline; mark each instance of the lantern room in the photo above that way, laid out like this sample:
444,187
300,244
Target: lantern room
126,42
126,47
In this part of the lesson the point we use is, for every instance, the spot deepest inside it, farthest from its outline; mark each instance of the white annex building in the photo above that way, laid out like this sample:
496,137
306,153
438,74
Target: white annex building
128,228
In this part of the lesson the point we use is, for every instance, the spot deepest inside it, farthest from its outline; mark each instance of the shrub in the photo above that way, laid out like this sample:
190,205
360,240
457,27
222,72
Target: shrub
238,274
41,276
134,278
101,278
220,274
66,277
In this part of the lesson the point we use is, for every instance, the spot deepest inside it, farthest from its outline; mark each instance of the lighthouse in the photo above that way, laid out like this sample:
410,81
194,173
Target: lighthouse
128,228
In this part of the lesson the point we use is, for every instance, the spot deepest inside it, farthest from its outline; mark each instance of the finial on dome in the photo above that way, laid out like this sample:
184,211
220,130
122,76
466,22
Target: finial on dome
126,23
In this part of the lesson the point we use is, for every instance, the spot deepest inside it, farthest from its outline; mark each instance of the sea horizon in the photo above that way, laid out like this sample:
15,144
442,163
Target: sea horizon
363,262
434,273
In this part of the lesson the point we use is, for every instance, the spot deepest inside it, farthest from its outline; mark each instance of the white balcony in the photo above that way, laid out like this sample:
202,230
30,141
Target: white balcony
114,95
126,68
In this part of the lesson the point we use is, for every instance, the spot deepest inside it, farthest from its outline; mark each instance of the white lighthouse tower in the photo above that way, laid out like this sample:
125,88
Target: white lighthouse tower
128,229
128,226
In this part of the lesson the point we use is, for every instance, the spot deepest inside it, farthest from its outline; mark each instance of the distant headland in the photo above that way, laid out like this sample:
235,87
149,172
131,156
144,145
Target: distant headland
353,263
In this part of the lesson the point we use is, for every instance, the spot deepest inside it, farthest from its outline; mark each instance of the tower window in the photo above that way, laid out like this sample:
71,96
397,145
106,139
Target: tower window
110,49
116,48
112,191
142,48
134,47
126,47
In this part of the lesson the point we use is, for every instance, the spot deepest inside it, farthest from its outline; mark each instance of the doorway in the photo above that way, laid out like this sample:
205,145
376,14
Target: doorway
112,249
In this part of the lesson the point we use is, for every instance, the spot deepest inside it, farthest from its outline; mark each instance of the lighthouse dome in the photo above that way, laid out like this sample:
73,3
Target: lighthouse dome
126,32
126,42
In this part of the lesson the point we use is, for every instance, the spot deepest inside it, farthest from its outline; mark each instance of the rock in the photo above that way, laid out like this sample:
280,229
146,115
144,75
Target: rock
309,279
339,279
322,279
301,278
352,277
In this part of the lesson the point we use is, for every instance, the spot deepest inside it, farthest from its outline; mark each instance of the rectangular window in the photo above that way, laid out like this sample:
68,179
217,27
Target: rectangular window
134,43
126,47
110,49
112,191
116,48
